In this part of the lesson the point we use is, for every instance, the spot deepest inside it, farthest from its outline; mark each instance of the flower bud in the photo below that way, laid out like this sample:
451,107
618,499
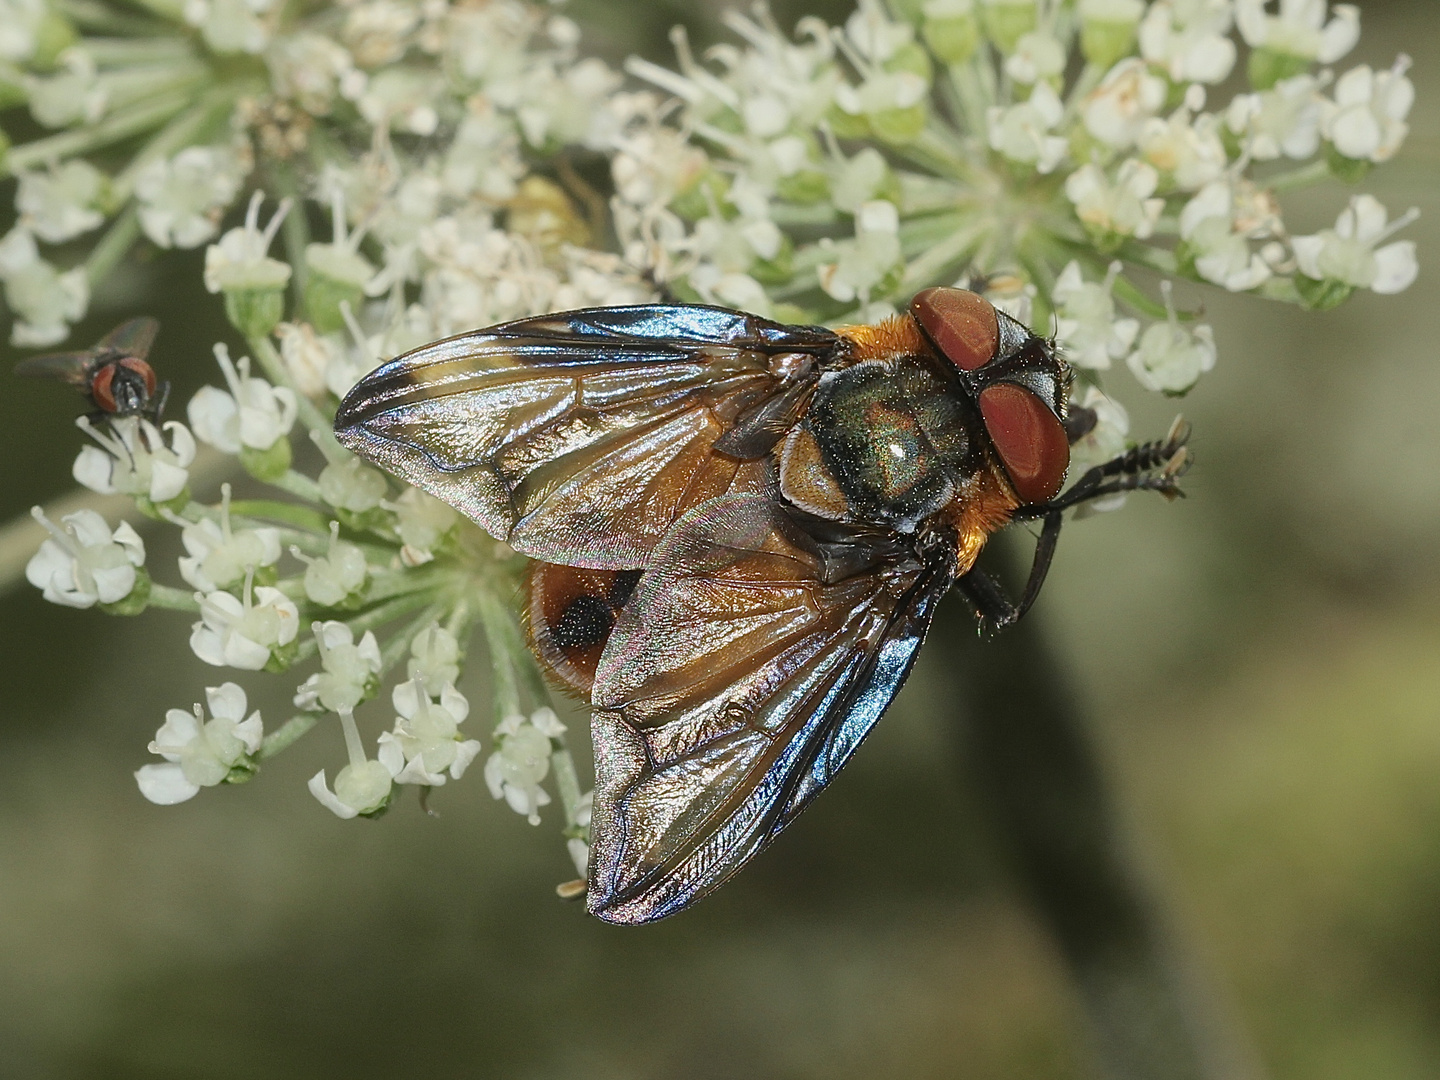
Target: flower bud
1007,21
1107,29
951,29
337,275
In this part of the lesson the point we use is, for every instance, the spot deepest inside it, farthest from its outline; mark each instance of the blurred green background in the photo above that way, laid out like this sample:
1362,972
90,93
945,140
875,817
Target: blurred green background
1261,663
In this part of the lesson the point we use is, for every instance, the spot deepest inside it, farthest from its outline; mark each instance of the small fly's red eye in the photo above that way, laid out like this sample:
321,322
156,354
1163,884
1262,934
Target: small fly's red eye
962,324
1031,441
100,388
144,370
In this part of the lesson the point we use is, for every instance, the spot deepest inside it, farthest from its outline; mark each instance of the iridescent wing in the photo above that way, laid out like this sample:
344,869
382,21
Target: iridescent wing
579,438
74,368
132,338
738,679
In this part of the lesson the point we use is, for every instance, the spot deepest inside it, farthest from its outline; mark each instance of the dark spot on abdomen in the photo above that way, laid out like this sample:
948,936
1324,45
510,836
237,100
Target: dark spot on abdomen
586,621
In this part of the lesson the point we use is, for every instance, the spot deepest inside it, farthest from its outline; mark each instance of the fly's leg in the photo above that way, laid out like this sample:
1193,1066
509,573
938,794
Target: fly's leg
995,610
1152,466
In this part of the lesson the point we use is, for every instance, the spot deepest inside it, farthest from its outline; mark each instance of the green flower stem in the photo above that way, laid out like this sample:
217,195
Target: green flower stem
502,639
391,609
171,10
972,95
89,15
131,52
299,485
387,583
1130,294
296,232
113,246
264,511
119,125
926,268
567,783
285,734
164,596
310,414
1304,176
1155,258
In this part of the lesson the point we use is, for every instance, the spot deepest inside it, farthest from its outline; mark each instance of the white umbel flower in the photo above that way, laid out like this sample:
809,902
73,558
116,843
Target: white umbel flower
522,760
218,555
362,787
434,659
84,563
422,521
337,575
182,199
133,458
426,743
1283,120
1085,316
232,26
1367,120
1022,132
1222,252
20,23
1119,209
1184,147
1117,110
866,261
351,670
1189,39
62,202
1351,253
253,414
43,299
240,260
1170,357
244,632
1299,29
202,753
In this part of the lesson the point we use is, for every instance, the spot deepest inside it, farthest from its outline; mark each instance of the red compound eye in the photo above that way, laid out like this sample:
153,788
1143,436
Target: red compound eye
144,370
100,388
1030,439
962,324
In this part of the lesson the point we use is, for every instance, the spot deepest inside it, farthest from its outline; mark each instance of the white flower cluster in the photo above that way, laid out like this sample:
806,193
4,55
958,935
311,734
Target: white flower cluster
452,97
828,176
1037,150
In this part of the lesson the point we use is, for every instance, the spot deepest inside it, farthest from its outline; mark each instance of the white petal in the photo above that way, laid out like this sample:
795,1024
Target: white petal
415,772
93,469
454,702
165,784
182,443
240,652
1307,255
180,729
130,540
207,645
251,732
327,799
390,753
113,583
406,699
166,481
465,753
226,701
1395,267
215,419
